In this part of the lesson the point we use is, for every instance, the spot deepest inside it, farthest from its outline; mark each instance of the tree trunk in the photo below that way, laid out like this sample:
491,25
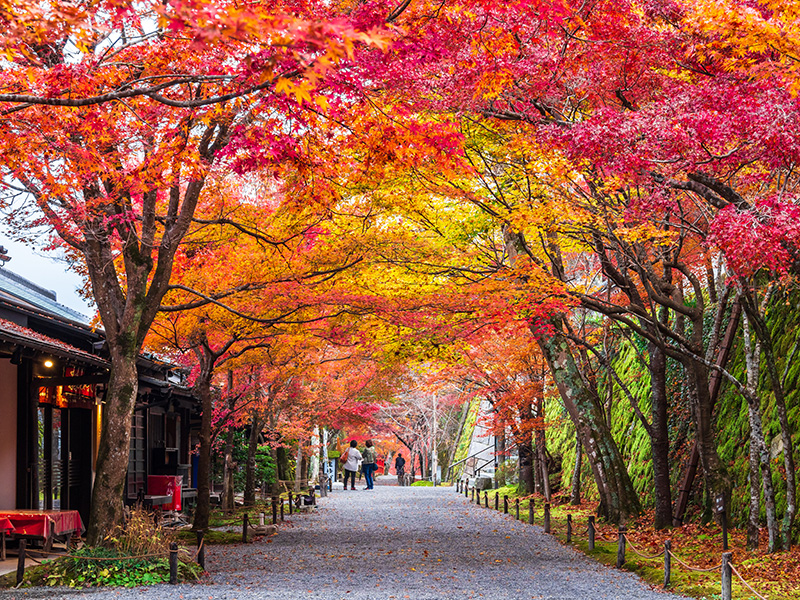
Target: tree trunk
500,475
525,451
128,304
250,469
228,469
203,388
753,521
227,466
538,483
575,488
275,488
298,468
659,437
113,451
762,331
541,450
715,474
757,442
619,500
282,467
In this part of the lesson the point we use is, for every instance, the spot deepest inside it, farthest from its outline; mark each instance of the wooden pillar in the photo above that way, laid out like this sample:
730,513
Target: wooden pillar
621,546
727,575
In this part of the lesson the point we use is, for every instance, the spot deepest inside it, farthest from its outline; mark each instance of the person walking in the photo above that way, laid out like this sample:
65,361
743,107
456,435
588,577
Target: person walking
350,462
368,466
400,468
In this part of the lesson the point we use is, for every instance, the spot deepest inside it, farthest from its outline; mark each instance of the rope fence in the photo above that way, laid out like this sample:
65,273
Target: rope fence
725,568
294,501
747,585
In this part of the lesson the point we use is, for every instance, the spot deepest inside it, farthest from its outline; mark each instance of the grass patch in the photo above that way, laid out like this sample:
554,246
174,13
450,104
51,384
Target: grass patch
211,538
422,483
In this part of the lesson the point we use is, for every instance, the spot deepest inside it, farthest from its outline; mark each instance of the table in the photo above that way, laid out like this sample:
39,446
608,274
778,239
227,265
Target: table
42,524
156,500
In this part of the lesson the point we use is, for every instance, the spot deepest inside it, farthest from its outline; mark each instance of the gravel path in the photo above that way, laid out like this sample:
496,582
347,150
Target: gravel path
394,543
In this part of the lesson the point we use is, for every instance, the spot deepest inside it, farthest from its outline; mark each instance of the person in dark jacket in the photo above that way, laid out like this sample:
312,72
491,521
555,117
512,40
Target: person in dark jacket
400,467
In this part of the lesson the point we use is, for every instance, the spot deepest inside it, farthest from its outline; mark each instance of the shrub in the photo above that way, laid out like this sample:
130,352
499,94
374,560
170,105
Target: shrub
135,553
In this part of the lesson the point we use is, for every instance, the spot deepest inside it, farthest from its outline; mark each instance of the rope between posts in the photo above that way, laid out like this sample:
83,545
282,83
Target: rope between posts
601,537
746,584
104,558
691,568
196,552
645,556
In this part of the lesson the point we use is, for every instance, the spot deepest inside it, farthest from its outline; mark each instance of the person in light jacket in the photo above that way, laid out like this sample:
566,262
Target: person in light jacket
350,462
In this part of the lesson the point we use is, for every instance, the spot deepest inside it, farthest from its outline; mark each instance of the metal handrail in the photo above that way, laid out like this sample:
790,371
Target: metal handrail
478,469
458,462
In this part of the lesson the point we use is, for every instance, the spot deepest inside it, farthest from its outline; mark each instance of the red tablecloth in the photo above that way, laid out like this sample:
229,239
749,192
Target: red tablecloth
36,522
167,485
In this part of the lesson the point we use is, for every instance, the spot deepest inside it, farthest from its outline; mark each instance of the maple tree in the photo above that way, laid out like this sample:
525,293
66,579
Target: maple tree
481,164
115,117
650,104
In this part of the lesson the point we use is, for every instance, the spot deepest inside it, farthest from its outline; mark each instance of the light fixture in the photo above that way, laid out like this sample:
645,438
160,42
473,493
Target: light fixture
48,363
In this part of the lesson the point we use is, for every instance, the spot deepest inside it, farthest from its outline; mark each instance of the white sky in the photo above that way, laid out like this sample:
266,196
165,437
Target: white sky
48,271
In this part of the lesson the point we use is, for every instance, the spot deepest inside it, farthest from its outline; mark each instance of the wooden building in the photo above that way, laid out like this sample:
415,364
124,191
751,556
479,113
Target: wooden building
52,385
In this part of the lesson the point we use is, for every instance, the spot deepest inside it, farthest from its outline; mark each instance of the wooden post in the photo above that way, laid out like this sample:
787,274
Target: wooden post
667,562
569,529
458,486
547,517
505,504
486,499
281,509
591,532
466,488
173,563
496,501
291,502
201,550
21,562
472,495
274,510
530,511
516,508
727,575
3,545
621,546
245,524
